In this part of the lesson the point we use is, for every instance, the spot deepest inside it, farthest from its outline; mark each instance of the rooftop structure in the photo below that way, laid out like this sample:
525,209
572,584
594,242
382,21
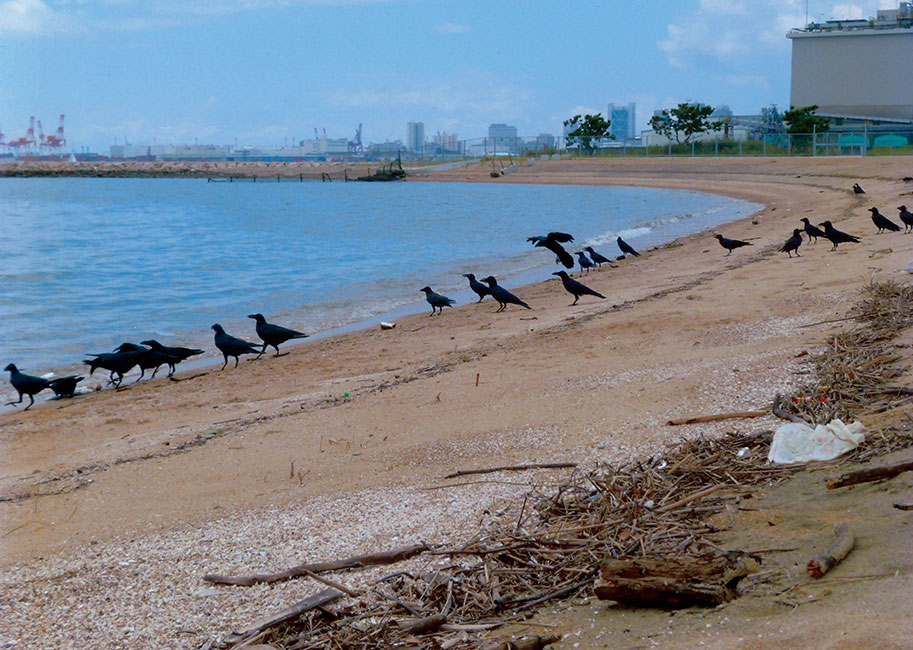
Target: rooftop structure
857,69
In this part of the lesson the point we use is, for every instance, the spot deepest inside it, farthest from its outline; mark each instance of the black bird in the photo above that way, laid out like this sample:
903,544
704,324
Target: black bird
836,236
437,301
477,286
575,288
553,241
626,248
585,263
231,346
730,244
907,217
596,257
147,358
857,189
502,295
180,354
31,385
793,243
882,222
116,363
274,335
812,231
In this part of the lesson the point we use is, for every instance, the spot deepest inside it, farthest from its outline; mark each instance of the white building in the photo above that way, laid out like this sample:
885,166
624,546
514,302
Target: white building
856,68
415,136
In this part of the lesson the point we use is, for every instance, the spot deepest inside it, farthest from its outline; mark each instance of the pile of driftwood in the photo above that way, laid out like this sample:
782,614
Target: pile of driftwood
551,547
643,529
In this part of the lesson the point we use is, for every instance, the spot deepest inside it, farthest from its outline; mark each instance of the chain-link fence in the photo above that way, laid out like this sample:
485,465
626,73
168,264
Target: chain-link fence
842,142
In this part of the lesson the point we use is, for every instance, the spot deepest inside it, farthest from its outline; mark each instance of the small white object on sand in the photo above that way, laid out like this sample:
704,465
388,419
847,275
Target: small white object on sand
387,326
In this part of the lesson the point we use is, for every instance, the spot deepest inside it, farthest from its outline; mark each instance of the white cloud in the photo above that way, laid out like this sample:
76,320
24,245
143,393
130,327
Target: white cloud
846,12
25,17
452,28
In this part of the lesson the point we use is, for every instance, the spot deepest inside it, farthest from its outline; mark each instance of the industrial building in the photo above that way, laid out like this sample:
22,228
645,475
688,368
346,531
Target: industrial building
415,137
856,69
622,125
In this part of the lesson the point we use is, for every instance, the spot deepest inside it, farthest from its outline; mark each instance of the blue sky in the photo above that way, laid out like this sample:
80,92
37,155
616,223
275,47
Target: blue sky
266,72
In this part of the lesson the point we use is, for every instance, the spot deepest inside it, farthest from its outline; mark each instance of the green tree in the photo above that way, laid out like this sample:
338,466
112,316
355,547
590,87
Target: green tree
588,131
684,122
804,120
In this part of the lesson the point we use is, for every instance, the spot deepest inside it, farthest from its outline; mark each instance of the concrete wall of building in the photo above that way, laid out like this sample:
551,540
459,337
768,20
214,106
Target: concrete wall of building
864,73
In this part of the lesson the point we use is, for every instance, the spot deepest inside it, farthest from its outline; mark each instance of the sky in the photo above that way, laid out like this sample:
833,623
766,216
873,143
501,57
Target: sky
268,72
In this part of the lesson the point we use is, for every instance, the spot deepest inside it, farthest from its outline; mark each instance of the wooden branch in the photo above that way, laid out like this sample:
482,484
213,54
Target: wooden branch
870,474
510,468
783,414
309,603
674,581
422,625
694,419
904,506
357,561
821,564
525,643
332,583
688,499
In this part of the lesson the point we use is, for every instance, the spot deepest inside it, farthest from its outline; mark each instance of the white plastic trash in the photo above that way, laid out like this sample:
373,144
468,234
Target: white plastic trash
799,443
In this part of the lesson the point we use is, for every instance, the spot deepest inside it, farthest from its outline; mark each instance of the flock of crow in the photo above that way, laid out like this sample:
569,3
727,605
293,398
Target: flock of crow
152,355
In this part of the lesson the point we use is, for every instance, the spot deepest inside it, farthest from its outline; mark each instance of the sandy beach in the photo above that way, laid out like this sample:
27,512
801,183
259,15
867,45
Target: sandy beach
115,504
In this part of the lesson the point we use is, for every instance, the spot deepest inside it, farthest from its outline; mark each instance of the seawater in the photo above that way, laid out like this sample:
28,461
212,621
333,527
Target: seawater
86,264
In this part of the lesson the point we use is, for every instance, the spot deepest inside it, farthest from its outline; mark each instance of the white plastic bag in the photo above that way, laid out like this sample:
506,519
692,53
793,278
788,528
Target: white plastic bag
799,443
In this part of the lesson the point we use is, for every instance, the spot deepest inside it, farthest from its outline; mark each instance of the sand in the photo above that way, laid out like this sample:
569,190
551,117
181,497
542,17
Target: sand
332,448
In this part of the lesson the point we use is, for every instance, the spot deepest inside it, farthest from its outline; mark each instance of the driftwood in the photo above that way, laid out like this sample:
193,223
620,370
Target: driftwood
674,582
904,506
694,419
870,474
821,564
422,625
357,561
525,643
509,468
311,602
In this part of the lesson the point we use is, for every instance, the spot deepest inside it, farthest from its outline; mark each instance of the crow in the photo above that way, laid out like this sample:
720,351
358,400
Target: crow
178,353
502,295
836,236
436,300
882,222
812,231
477,286
730,244
585,263
553,241
31,385
116,363
575,288
231,346
793,243
907,217
626,248
274,335
147,358
596,257
857,189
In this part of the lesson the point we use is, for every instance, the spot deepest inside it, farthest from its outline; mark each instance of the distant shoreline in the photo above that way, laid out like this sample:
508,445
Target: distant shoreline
185,169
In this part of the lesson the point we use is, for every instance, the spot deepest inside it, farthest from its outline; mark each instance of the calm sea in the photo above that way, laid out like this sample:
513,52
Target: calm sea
86,264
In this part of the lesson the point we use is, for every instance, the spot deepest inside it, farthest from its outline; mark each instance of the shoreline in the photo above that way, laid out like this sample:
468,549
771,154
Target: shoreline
528,268
685,329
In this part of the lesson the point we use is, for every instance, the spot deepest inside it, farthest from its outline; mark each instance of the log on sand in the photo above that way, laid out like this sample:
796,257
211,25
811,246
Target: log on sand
870,474
673,582
694,419
821,564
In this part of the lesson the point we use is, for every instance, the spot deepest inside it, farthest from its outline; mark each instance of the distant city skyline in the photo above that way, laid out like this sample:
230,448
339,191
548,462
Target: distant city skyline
268,72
